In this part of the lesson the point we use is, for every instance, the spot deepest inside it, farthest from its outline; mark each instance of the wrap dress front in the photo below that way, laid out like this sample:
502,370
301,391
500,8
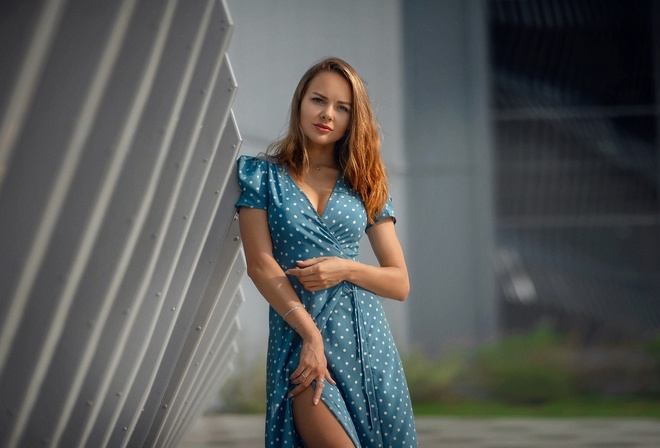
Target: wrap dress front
371,398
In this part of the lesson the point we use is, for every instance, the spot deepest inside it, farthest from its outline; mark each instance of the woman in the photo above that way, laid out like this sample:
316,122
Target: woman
334,374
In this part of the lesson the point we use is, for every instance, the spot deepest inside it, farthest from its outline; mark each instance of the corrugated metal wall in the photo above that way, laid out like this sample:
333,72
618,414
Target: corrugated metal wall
119,248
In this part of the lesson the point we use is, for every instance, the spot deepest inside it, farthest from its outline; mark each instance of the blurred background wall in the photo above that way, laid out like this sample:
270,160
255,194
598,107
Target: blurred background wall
521,140
419,60
575,118
271,49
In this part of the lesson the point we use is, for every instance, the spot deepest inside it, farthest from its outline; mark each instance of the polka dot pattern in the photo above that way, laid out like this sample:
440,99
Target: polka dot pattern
371,398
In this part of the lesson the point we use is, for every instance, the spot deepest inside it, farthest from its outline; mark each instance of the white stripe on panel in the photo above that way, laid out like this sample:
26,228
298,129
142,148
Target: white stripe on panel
174,332
26,83
223,372
227,255
176,201
143,292
189,244
50,217
11,124
108,300
218,333
124,145
221,368
181,337
194,404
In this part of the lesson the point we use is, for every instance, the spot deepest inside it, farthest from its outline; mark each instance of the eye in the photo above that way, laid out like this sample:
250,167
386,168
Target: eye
344,109
317,100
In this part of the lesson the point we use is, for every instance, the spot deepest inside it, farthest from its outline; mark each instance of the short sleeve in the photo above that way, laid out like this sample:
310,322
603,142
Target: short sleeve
388,212
253,180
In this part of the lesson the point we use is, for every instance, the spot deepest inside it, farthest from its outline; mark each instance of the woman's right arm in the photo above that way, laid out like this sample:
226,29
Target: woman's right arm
262,268
273,284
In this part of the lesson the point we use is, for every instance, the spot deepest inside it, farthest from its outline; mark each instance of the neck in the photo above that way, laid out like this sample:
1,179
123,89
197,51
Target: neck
321,159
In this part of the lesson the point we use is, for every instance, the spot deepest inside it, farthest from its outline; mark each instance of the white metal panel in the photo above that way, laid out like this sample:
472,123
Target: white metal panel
217,333
170,334
115,162
187,339
220,370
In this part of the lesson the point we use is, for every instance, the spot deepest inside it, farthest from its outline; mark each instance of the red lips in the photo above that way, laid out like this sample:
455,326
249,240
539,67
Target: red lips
323,128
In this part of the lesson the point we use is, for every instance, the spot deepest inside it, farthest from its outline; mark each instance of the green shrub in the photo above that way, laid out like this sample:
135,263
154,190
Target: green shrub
533,368
245,390
431,380
653,349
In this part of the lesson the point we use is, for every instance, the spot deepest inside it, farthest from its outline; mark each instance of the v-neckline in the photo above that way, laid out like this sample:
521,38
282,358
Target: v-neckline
309,202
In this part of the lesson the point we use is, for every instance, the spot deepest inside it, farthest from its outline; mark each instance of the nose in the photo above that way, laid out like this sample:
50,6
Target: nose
326,113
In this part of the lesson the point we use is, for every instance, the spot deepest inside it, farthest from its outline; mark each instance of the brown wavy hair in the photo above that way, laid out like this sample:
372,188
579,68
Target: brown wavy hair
357,153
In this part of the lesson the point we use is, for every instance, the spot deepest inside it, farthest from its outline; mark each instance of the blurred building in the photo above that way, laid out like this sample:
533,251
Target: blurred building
575,121
521,141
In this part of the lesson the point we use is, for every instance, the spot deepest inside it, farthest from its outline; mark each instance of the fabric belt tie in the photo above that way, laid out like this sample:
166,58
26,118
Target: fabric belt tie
367,378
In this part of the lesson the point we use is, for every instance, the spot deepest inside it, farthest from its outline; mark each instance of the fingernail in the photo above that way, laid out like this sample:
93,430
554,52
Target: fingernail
316,401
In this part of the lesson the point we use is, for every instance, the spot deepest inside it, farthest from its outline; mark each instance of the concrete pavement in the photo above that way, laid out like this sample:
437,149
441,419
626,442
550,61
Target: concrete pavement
246,431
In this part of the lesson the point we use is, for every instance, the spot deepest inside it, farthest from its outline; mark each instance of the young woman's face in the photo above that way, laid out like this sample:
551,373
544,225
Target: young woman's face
325,110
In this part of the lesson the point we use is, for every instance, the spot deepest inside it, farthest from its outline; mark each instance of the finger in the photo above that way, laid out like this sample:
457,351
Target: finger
311,265
298,373
318,390
314,286
299,272
329,378
294,271
301,382
299,388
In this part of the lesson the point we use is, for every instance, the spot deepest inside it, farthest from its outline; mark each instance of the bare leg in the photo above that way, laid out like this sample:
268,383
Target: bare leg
317,425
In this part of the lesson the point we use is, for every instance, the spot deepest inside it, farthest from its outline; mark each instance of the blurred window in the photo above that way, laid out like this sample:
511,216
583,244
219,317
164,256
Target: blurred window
575,119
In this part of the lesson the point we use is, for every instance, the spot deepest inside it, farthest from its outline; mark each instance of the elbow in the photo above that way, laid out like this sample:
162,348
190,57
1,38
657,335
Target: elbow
255,270
402,292
251,271
399,287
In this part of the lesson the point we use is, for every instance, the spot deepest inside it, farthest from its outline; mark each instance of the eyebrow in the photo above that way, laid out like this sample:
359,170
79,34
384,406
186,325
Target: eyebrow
325,98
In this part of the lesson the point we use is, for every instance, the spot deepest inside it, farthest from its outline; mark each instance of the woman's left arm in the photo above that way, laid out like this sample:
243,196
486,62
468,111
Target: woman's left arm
389,279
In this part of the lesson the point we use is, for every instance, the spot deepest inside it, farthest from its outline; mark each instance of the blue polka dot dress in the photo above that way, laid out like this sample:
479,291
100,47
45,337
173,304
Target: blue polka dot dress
371,398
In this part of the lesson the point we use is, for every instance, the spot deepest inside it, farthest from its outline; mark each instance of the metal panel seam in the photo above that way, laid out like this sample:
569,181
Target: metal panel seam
51,215
127,137
52,210
27,79
132,375
211,335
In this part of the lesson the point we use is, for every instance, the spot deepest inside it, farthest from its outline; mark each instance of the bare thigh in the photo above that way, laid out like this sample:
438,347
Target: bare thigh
317,425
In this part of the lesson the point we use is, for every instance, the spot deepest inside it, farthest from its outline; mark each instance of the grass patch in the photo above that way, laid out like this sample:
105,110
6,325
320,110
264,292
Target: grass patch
539,374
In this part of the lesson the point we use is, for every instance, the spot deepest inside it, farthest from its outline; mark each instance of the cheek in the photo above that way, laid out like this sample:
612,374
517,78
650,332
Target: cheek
344,124
304,111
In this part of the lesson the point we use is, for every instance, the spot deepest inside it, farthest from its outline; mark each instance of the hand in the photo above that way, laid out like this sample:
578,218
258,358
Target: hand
312,366
321,273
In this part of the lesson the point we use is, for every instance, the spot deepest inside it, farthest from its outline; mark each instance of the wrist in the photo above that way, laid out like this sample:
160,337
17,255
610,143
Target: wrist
350,270
301,322
306,327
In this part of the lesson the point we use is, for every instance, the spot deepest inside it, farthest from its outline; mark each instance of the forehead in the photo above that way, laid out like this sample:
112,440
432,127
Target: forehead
331,84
